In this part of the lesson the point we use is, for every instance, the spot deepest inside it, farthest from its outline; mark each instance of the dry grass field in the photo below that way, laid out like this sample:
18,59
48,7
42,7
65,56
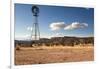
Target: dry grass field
57,54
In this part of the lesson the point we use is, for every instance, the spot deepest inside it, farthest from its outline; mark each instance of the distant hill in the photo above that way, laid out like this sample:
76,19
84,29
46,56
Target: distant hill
65,41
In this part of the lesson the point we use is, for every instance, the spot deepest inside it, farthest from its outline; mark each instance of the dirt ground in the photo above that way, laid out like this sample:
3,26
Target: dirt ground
59,54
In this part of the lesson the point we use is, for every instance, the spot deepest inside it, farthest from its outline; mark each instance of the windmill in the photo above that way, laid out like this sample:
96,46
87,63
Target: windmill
35,34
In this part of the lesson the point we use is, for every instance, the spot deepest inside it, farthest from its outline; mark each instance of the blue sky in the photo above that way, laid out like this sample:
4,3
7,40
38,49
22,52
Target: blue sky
54,21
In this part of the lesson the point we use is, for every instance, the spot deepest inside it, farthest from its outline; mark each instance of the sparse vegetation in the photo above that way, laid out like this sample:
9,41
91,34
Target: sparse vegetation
54,50
18,48
54,54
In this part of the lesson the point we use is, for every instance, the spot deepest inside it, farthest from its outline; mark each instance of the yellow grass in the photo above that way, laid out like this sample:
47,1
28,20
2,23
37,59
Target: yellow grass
56,54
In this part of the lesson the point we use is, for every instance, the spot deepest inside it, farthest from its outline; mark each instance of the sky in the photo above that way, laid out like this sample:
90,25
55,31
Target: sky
54,21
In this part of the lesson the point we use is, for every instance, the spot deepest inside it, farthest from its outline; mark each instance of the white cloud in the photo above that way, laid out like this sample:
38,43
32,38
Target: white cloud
22,37
57,35
29,28
75,25
57,25
61,25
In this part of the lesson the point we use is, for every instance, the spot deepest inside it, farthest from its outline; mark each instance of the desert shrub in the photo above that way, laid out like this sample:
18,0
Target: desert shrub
40,63
72,44
51,44
39,44
63,44
17,47
47,44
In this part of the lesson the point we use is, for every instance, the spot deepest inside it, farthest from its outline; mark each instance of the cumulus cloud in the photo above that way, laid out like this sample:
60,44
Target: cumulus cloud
29,28
75,25
57,25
